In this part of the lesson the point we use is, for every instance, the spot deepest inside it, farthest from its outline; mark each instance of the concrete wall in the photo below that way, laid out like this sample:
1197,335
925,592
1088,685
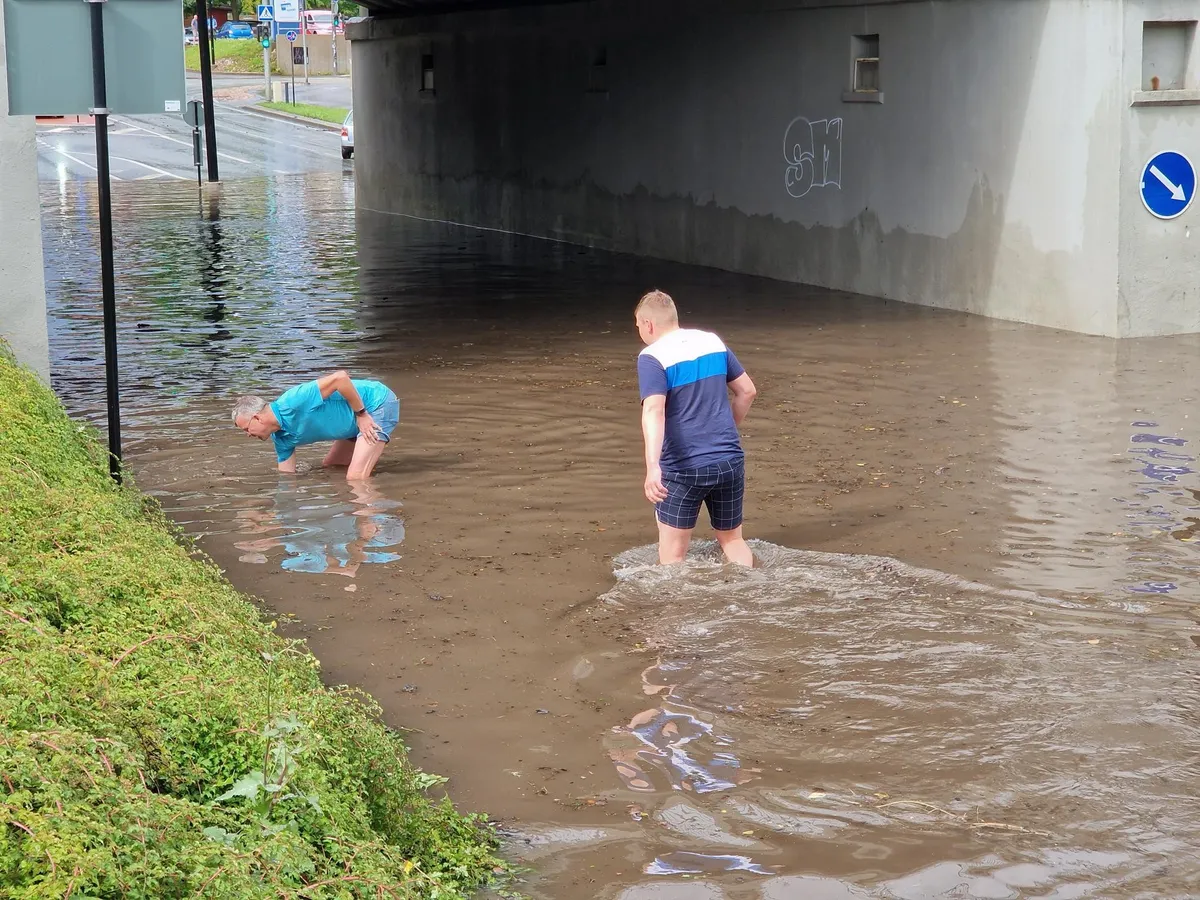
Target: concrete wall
990,179
1159,264
22,283
320,56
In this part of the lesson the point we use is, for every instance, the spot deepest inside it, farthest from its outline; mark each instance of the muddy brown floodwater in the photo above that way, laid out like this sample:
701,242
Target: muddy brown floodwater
966,666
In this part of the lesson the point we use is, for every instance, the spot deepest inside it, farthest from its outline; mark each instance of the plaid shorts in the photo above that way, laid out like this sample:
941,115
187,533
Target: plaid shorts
721,485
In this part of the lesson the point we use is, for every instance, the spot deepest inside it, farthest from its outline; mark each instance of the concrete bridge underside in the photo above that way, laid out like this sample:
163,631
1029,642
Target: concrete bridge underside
979,155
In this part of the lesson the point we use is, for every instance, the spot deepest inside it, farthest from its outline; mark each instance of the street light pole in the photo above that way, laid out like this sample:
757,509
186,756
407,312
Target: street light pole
107,278
210,125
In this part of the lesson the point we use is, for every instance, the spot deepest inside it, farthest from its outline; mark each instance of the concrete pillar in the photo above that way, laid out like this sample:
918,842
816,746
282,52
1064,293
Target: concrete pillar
1159,262
22,283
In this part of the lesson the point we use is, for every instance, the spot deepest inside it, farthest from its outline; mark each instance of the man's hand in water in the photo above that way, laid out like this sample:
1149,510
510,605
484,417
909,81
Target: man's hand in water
656,492
367,427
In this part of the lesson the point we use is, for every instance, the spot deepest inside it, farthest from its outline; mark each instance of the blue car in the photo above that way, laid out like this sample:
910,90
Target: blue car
235,31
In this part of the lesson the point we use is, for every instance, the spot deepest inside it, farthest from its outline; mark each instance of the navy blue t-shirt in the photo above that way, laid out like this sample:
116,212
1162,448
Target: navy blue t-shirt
692,368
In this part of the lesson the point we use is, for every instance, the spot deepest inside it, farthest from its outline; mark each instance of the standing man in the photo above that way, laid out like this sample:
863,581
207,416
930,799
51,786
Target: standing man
358,416
693,452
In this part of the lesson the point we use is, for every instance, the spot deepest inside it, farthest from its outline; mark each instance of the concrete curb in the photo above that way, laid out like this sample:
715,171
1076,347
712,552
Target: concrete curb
289,117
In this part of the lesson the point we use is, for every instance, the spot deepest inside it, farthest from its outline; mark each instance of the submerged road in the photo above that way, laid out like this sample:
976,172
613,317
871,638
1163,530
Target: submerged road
968,667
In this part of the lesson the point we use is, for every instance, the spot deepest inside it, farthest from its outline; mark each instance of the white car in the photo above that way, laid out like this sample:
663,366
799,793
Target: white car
348,136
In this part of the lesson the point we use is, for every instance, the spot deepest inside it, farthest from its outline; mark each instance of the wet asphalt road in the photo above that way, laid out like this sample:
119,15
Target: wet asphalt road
159,147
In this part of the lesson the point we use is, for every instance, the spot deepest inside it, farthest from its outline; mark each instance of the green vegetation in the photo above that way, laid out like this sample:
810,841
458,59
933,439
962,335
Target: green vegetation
335,114
240,57
157,738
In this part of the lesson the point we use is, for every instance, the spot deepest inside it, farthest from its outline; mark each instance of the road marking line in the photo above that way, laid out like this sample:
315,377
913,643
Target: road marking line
76,159
167,137
138,162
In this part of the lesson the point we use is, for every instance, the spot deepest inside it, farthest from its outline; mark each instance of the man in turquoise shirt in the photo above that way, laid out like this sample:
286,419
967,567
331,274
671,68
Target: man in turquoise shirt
358,416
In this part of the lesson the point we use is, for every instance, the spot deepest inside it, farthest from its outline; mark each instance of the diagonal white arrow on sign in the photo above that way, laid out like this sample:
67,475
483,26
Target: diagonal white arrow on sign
1175,189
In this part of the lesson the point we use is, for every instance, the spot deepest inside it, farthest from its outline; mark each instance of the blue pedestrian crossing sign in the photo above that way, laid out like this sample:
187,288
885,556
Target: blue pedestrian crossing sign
266,14
1168,184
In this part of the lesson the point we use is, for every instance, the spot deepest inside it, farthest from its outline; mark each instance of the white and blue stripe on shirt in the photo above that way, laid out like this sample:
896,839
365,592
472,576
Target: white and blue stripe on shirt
692,368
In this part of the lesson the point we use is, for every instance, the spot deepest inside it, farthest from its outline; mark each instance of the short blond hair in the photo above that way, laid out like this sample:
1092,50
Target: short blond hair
659,307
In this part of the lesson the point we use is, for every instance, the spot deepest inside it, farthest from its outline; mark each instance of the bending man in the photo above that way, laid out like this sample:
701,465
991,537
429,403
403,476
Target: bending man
358,416
693,451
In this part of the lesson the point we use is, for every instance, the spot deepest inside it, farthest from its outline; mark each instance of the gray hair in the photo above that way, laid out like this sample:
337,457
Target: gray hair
248,406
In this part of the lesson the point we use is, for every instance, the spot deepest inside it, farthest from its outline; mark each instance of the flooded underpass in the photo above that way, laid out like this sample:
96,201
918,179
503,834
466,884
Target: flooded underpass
965,667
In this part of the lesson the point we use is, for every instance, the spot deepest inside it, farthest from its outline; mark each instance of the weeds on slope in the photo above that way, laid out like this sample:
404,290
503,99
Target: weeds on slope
157,739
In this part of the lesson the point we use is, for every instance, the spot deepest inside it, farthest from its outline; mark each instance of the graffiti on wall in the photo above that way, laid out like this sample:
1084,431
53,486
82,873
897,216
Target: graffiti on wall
812,149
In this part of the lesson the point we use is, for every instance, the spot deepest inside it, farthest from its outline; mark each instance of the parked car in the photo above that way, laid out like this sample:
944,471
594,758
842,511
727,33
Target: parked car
318,21
348,136
189,36
235,31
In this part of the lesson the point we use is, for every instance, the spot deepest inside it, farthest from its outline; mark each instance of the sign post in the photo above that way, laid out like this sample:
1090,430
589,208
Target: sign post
62,60
104,197
291,36
290,20
208,47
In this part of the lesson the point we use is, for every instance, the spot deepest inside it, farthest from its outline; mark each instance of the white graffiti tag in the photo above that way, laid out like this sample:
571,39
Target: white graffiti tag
813,152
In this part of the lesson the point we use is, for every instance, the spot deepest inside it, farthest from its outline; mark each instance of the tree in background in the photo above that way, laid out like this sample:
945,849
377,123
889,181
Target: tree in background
235,7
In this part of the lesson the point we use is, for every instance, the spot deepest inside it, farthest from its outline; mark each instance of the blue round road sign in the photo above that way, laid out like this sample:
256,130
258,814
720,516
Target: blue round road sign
291,36
1168,184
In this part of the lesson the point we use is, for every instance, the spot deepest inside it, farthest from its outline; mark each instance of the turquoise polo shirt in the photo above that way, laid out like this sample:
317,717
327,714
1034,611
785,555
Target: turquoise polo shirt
305,417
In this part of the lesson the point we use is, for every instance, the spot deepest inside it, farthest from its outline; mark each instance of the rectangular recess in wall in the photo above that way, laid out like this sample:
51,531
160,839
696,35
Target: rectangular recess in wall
1168,64
1166,47
598,71
426,73
864,70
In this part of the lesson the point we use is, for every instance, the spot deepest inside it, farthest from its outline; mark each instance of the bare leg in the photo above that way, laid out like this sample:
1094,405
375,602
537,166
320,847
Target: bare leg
340,454
735,548
366,455
672,543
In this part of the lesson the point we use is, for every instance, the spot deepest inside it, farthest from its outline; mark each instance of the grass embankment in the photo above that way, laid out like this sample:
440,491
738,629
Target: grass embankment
242,57
157,739
334,114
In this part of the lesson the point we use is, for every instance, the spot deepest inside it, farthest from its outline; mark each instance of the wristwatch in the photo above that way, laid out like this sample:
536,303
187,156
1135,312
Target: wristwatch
359,412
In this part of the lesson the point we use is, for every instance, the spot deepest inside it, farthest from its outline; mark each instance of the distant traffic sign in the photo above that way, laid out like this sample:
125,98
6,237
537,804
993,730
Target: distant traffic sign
1168,184
287,12
266,13
291,36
